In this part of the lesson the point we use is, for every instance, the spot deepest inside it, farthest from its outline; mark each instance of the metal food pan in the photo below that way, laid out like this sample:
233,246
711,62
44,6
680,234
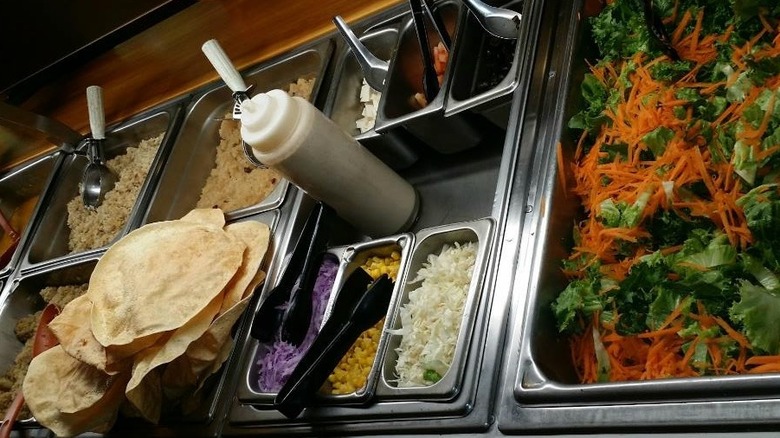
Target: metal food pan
445,135
194,151
543,386
486,67
353,258
350,258
22,298
249,391
49,241
395,147
431,241
22,191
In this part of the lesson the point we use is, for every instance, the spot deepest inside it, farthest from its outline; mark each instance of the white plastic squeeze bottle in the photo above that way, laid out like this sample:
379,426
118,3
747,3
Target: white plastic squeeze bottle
292,136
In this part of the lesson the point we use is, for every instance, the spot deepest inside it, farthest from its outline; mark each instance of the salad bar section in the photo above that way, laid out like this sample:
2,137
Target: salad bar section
651,279
593,246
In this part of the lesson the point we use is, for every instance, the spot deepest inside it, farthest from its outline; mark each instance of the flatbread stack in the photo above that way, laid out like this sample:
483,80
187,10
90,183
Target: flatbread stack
154,324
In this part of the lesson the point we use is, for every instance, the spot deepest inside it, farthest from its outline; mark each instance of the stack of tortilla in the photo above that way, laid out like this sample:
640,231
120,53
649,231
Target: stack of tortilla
154,324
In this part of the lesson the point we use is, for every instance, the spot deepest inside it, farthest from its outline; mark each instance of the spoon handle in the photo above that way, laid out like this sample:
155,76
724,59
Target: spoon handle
97,118
11,415
224,67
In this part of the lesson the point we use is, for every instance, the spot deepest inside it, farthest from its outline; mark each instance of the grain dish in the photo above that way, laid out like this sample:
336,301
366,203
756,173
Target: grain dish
96,228
234,183
166,295
11,381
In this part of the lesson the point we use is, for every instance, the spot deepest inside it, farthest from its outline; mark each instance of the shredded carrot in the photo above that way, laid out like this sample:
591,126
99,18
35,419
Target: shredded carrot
617,163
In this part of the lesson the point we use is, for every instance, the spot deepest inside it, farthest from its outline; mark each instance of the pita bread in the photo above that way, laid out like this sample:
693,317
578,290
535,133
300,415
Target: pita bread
206,216
75,336
69,396
256,236
204,356
172,346
174,268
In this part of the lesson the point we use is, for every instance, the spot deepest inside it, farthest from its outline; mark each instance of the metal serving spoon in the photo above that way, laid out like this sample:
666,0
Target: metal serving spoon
500,22
374,69
44,339
98,179
232,78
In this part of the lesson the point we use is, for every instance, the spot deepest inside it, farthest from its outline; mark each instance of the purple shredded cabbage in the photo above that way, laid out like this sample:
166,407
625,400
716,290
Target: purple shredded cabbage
278,360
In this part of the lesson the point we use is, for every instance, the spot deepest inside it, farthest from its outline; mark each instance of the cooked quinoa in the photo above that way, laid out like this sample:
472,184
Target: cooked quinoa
95,228
11,381
234,183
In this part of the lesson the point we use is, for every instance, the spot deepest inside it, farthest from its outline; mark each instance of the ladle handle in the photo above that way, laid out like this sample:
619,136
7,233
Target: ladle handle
224,67
97,118
374,69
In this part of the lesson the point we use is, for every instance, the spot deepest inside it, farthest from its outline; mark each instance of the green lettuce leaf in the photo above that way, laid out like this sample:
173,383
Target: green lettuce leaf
759,312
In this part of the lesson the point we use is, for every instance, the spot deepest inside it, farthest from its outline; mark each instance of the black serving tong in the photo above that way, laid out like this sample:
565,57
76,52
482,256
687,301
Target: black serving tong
438,24
657,29
347,321
295,284
430,81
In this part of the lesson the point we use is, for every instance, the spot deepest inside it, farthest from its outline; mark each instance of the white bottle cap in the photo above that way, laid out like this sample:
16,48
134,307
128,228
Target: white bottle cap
268,120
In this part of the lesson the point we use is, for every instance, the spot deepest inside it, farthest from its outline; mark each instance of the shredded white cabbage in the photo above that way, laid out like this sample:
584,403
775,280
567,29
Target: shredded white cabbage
431,319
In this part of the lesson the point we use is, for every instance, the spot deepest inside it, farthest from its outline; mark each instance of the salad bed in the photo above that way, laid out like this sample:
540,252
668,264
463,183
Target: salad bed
675,268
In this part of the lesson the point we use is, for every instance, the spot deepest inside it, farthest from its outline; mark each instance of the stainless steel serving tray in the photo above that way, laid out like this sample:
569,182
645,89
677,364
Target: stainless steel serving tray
486,67
540,387
48,244
396,147
428,124
248,391
21,298
430,241
353,258
194,151
480,182
350,257
20,184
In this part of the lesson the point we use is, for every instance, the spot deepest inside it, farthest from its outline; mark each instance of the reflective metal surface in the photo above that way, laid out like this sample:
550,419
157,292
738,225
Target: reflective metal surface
485,71
539,388
431,242
49,241
23,198
194,151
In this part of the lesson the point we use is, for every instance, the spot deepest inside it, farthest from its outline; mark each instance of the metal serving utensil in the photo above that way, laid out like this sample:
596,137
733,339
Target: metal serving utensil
44,339
430,81
97,179
438,24
334,340
500,22
232,78
657,29
293,322
374,69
